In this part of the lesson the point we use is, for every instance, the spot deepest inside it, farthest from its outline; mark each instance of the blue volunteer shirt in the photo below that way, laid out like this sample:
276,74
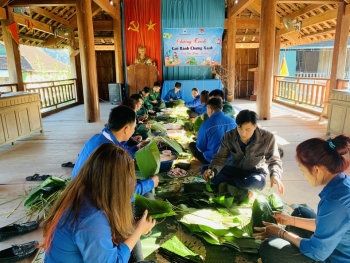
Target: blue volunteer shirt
172,95
331,240
86,239
211,132
194,103
142,186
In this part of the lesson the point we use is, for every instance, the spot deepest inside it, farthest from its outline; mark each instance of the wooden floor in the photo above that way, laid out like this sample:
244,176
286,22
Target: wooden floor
66,132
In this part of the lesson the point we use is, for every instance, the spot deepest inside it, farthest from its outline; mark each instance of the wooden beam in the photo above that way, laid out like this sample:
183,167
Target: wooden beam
103,25
247,45
3,14
30,3
256,6
303,11
104,47
323,2
88,62
4,2
340,48
118,46
12,52
106,6
245,23
347,10
21,19
47,14
266,59
95,10
323,17
231,56
32,39
238,8
247,34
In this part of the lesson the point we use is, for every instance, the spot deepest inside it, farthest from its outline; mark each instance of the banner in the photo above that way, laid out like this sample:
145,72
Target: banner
192,46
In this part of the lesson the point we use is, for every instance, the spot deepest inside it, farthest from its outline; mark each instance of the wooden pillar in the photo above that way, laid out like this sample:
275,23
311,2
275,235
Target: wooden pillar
88,61
12,52
266,58
276,64
231,56
340,47
118,45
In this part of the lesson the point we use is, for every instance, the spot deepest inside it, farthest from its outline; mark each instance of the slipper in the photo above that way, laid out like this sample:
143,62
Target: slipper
69,164
37,177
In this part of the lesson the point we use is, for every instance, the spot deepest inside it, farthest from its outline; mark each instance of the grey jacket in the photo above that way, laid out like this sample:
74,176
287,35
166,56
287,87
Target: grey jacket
261,153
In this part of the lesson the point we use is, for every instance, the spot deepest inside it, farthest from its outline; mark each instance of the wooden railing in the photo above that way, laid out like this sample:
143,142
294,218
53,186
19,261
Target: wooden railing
303,92
319,75
8,87
54,94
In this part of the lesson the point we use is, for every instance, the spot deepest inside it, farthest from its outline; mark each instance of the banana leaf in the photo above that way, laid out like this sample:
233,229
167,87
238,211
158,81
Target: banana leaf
178,102
197,124
247,245
222,200
51,185
156,126
172,143
276,202
148,159
156,208
214,222
174,245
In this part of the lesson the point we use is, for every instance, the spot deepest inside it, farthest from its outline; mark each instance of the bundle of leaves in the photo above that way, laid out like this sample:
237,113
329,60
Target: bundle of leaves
41,198
156,208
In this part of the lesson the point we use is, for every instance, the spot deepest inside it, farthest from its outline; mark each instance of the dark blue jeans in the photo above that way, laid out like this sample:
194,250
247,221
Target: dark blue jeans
277,250
244,179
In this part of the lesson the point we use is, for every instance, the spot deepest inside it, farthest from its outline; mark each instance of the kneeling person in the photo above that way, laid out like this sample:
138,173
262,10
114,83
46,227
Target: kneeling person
254,154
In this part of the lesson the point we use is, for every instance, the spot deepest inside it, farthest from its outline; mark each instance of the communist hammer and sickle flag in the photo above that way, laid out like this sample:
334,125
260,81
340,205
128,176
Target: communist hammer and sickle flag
133,26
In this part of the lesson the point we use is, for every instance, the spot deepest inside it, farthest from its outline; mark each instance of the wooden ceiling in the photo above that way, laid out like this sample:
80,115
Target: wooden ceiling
55,26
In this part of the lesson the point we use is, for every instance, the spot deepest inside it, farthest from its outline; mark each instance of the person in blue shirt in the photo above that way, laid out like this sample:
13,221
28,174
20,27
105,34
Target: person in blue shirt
174,96
121,126
198,104
310,237
211,131
92,219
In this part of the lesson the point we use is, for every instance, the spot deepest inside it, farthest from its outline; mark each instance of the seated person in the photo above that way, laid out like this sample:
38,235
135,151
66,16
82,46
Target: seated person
310,237
142,58
121,125
154,97
254,154
92,220
147,105
131,103
198,105
227,108
174,96
142,128
211,132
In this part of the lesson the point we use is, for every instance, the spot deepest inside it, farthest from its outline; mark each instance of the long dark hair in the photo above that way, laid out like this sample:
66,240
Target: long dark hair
108,177
327,153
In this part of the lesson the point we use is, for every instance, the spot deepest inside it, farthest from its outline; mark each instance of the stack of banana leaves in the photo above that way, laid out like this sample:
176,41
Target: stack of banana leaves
41,198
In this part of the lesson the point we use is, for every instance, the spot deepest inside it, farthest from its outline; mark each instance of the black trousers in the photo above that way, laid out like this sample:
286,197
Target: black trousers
196,153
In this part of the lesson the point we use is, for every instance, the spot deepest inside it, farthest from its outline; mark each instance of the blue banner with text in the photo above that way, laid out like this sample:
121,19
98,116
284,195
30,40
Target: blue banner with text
192,46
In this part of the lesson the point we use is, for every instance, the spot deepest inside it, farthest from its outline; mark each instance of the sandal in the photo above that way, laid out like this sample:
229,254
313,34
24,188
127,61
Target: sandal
69,164
37,177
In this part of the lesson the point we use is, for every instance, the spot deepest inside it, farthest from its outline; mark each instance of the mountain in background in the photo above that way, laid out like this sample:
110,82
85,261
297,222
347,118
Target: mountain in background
61,55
